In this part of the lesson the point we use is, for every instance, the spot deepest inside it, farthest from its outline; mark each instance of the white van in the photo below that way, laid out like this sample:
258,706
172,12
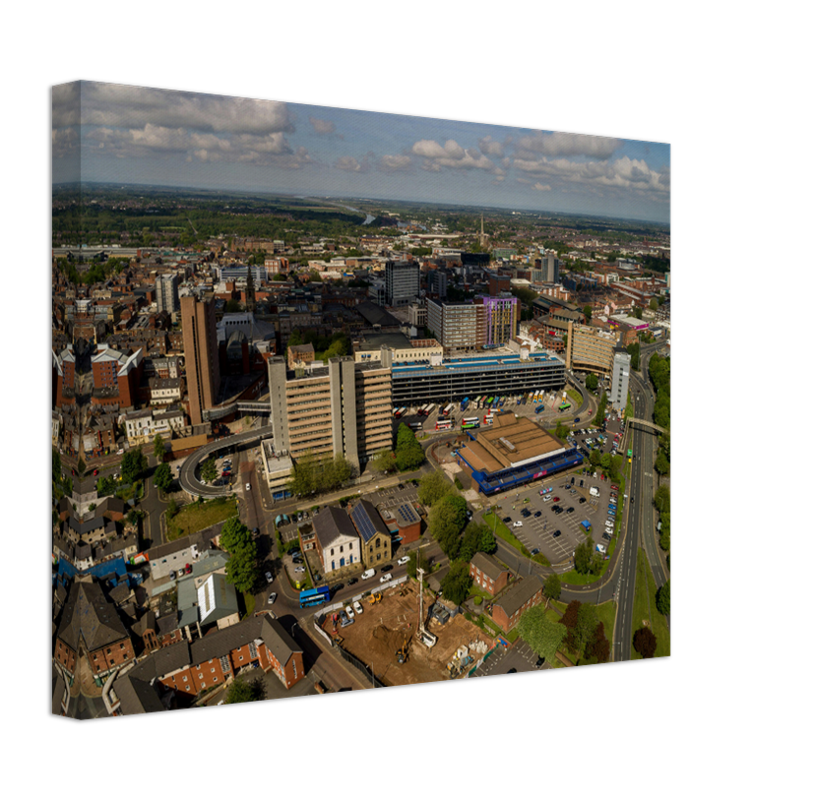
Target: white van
594,491
369,573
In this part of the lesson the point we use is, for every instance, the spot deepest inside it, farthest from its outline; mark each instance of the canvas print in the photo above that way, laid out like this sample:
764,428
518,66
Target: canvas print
345,400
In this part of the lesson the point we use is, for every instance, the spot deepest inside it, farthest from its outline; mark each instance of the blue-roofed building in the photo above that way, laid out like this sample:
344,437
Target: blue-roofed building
373,533
513,452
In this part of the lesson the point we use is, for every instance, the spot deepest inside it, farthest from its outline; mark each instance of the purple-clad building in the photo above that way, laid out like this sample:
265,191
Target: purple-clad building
501,318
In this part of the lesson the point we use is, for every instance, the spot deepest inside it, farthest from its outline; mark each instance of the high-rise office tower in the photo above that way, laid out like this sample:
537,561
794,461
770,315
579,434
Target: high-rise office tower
619,379
167,293
200,355
338,408
401,282
550,266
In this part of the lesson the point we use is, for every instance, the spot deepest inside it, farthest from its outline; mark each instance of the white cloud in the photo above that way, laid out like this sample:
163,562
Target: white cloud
489,147
347,163
452,155
541,188
622,173
395,163
65,105
322,126
570,144
116,106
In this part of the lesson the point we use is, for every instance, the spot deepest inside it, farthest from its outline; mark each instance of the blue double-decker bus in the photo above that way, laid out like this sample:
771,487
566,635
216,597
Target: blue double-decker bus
315,597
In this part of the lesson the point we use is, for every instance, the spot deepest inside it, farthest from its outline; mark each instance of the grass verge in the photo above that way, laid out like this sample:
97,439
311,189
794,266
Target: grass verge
197,516
645,608
249,604
501,530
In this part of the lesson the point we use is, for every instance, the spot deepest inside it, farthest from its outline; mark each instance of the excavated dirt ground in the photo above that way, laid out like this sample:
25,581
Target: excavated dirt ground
381,629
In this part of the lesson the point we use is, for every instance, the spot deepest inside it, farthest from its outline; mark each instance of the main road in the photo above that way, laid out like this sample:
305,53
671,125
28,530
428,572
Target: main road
640,528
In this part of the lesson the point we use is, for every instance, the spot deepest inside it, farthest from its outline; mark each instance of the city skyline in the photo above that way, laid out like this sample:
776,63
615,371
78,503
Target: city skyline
136,135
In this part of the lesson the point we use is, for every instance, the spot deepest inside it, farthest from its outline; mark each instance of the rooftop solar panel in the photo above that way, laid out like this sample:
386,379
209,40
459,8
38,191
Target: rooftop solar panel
364,523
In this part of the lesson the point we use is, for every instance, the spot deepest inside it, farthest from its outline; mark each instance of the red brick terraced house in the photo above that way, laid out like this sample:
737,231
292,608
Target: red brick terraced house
524,594
186,670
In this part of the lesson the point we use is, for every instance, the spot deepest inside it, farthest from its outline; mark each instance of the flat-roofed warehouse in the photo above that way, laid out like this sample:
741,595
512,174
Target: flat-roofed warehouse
512,451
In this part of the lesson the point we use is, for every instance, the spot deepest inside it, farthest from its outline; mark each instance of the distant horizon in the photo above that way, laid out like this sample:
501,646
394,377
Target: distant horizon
357,198
113,134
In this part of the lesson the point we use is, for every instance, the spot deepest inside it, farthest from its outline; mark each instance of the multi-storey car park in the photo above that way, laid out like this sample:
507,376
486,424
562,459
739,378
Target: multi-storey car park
452,379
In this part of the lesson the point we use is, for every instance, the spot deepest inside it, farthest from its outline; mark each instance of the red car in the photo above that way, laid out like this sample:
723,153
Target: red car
96,472
555,499
615,488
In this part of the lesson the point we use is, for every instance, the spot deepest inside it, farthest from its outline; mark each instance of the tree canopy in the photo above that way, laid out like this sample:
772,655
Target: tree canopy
242,569
163,477
645,643
134,465
552,587
432,487
445,521
540,633
242,691
455,585
409,452
664,598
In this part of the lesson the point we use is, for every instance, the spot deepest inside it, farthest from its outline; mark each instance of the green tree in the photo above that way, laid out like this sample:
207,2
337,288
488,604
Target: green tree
582,558
235,537
56,466
552,587
232,306
455,586
662,499
661,465
540,633
432,487
487,543
295,338
587,313
209,471
664,598
469,541
242,569
653,304
594,458
417,560
163,477
561,431
105,486
158,448
303,481
665,530
134,465
584,628
384,461
591,381
445,521
637,312
241,691
172,508
409,453
634,351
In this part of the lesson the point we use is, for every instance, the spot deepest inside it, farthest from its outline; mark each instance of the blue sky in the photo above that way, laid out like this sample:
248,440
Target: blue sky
126,134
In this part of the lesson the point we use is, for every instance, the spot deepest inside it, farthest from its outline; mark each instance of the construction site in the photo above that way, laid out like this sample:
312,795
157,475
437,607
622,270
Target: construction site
402,640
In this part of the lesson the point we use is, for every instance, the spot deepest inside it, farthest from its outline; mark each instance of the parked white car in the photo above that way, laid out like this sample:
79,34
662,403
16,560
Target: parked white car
517,524
350,612
248,487
386,577
403,560
357,606
272,598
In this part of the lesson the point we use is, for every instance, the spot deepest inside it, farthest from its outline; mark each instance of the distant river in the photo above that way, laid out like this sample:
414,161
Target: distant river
368,218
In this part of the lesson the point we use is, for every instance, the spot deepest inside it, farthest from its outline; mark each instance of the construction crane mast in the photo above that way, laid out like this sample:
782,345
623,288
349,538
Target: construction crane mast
425,636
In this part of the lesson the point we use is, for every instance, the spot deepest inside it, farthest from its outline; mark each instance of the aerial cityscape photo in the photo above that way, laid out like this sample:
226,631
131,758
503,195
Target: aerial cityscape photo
346,400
